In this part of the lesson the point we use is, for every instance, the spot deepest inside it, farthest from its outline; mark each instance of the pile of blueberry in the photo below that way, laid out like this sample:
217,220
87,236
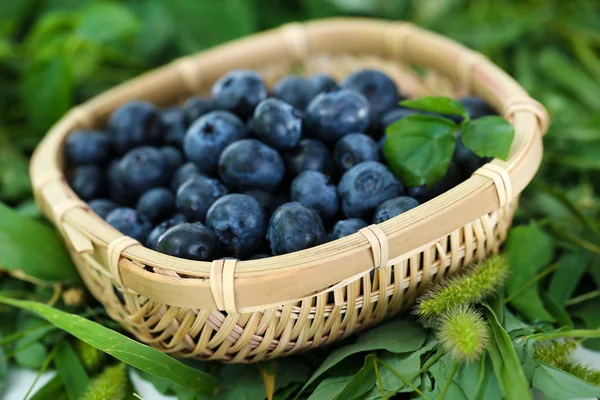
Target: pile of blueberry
250,173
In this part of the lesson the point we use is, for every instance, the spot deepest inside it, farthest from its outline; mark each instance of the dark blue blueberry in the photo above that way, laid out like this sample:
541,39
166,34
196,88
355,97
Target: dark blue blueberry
129,223
378,89
239,222
294,227
183,173
88,147
346,227
394,207
195,107
88,182
295,91
161,228
196,195
249,164
135,124
259,256
192,241
209,136
353,149
476,107
102,207
315,190
423,193
277,124
323,83
156,204
173,157
175,126
365,186
396,114
142,169
268,202
118,191
240,92
465,158
309,155
334,114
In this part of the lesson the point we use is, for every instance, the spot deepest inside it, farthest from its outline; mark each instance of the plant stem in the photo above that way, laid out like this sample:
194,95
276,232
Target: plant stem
407,382
449,381
577,333
584,297
530,282
378,375
17,335
425,367
42,370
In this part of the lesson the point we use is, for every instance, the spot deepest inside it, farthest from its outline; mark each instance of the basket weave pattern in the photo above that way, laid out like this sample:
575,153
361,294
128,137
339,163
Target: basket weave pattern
271,308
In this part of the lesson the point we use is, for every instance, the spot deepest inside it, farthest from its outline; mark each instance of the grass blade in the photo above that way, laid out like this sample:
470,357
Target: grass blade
71,371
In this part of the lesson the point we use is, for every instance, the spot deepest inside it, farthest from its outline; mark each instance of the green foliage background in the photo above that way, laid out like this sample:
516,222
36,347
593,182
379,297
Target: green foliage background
57,53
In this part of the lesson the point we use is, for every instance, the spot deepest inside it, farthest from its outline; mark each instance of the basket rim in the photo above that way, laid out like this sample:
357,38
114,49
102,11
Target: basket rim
414,229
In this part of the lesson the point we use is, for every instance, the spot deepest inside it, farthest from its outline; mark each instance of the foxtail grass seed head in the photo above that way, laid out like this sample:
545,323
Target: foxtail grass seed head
557,353
110,384
471,287
91,357
463,333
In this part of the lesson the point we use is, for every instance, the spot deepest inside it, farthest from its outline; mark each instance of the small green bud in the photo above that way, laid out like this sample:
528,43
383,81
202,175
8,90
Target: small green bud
110,384
471,287
463,333
91,357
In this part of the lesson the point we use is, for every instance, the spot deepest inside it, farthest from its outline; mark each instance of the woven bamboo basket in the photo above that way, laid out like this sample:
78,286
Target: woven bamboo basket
248,311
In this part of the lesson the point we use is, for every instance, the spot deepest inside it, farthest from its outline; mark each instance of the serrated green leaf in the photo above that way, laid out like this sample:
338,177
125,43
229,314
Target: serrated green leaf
33,248
507,368
419,148
71,371
489,136
559,385
121,347
437,105
107,23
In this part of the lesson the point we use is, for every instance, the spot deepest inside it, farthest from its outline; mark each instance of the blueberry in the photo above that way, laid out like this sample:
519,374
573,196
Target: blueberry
250,164
315,190
175,126
309,155
465,158
142,169
192,241
239,222
378,89
195,107
323,83
209,136
182,174
476,107
102,207
396,114
394,207
423,193
88,147
268,202
333,114
277,124
294,227
173,157
118,191
295,91
346,227
239,91
196,195
135,124
259,256
88,181
353,149
161,228
129,223
156,204
365,186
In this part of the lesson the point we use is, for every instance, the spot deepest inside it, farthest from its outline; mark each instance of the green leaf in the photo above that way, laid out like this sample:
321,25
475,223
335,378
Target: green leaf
529,249
31,247
419,148
437,105
557,310
571,267
200,24
14,174
47,90
330,387
53,389
398,336
29,350
71,370
510,376
489,136
361,382
107,22
559,385
440,372
121,347
588,313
